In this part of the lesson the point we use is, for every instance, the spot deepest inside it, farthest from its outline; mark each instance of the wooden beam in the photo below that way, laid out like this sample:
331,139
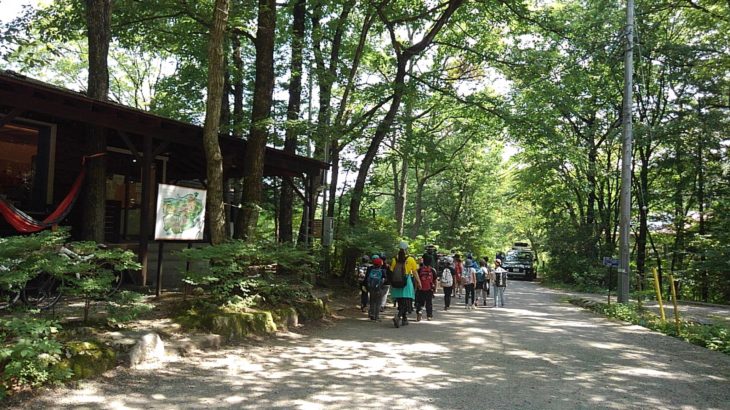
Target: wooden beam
14,113
160,148
289,182
128,142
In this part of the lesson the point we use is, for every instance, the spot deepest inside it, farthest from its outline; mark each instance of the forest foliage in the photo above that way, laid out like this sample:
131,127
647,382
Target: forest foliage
468,124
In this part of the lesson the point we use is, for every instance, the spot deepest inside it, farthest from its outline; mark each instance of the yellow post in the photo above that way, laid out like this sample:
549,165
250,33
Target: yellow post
659,294
674,299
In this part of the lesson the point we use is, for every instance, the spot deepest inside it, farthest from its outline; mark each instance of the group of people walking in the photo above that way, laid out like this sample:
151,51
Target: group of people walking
408,281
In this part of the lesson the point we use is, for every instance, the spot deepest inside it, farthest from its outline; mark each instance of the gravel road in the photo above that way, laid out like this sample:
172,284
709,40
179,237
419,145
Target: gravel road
536,353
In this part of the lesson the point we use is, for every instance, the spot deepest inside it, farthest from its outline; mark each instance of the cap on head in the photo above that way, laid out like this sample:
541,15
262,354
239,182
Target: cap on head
375,256
403,245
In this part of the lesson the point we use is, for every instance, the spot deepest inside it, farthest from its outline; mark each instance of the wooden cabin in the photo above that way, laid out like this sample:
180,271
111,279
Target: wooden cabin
42,140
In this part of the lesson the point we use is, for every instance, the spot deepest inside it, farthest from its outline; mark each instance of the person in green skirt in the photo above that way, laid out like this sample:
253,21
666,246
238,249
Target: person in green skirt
403,282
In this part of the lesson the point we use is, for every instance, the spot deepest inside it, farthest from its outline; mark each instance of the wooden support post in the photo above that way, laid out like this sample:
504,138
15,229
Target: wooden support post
144,218
160,254
305,213
674,299
312,209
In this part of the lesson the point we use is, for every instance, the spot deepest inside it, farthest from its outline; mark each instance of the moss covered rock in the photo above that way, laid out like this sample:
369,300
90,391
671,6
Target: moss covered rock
311,310
286,317
235,323
238,325
87,358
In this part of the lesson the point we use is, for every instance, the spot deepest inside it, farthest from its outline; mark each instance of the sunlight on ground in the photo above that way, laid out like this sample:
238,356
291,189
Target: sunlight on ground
526,354
645,372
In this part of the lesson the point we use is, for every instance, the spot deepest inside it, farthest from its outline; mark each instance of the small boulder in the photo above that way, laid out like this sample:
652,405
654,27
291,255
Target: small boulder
150,348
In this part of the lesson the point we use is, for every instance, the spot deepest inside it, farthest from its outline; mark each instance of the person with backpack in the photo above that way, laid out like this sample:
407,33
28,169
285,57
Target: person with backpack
424,294
429,257
362,271
403,282
458,270
482,284
469,279
447,281
376,277
500,282
386,284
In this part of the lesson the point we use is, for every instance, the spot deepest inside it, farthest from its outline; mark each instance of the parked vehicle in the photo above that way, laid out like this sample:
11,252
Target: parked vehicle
519,262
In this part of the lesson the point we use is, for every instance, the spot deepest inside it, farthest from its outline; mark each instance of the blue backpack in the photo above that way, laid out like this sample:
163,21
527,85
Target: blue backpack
481,277
375,278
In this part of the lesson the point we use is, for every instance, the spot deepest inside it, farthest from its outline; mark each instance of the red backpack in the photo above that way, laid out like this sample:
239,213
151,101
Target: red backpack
425,273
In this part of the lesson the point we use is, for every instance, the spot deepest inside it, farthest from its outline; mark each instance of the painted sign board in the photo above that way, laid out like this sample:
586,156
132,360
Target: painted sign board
180,213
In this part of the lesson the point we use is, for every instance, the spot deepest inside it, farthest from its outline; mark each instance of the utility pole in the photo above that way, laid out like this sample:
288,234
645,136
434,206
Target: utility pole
625,219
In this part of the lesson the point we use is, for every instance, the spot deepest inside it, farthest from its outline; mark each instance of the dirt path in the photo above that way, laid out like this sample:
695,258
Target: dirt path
536,353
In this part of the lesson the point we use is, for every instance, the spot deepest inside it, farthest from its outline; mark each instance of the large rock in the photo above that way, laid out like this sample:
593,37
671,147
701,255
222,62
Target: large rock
311,310
149,349
87,359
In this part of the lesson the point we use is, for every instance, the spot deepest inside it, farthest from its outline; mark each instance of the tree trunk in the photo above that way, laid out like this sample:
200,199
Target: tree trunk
237,88
704,276
419,207
333,182
253,167
643,213
225,110
679,214
401,195
292,116
98,21
211,127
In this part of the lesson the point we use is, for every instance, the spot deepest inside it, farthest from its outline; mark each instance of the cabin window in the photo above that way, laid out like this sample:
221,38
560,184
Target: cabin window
24,165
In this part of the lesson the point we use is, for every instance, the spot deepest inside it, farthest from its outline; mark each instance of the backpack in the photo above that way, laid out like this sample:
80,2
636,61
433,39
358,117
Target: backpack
375,278
481,275
447,279
426,276
398,279
500,278
466,276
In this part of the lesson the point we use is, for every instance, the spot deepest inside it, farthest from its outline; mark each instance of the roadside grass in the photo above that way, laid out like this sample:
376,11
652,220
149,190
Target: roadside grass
713,336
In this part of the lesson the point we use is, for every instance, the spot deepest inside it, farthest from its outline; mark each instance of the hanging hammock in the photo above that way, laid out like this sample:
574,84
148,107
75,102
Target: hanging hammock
24,223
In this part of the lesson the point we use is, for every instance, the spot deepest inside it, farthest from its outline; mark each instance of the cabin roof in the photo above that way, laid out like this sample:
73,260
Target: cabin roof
20,95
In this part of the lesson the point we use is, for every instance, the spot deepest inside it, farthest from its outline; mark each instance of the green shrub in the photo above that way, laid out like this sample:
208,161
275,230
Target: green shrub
243,271
126,306
23,257
29,353
91,275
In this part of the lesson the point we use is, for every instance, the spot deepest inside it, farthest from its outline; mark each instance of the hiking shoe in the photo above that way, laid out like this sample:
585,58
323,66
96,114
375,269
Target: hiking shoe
404,322
395,322
429,318
418,317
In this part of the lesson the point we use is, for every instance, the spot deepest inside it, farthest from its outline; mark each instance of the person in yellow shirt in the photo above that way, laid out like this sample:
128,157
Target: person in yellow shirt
403,283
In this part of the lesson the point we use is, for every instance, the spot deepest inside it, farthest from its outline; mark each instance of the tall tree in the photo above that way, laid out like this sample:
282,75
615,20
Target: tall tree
403,57
213,157
253,167
98,23
292,116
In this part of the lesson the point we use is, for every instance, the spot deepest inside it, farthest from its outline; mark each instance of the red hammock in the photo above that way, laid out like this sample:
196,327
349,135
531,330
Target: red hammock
24,223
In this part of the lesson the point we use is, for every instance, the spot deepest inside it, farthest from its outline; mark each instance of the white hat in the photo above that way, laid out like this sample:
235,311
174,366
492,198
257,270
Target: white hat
403,245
